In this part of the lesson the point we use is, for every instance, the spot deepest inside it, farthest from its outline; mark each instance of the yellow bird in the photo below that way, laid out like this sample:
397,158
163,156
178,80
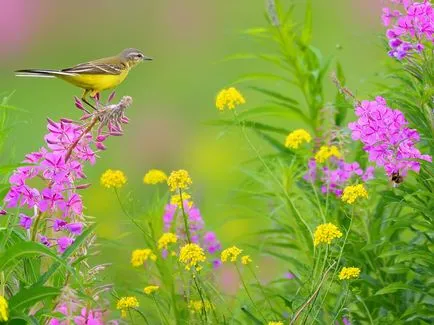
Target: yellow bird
94,76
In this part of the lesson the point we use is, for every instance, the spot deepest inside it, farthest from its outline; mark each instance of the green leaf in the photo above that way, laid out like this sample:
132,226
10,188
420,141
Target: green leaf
26,249
393,287
26,298
306,34
68,252
251,316
250,124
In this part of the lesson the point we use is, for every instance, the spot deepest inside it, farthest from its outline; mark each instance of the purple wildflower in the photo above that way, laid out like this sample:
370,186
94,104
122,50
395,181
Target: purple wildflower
25,221
289,276
386,138
69,145
410,27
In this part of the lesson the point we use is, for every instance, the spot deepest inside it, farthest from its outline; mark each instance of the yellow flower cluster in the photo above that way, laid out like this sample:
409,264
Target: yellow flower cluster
151,289
325,233
295,138
325,152
275,323
4,309
154,176
196,306
176,199
126,303
348,273
140,256
246,259
166,239
231,254
179,179
113,179
353,192
229,98
191,255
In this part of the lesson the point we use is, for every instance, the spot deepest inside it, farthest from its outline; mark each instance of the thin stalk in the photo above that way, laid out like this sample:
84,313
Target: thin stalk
201,298
347,291
131,316
311,298
261,287
272,175
366,309
163,318
187,229
248,293
35,227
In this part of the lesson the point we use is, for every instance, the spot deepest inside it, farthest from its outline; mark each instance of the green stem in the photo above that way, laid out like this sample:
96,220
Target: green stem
366,309
199,291
248,293
131,316
163,318
272,175
261,288
187,229
35,227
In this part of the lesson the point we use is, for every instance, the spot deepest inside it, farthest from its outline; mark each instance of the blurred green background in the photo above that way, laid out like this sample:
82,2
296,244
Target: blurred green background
173,95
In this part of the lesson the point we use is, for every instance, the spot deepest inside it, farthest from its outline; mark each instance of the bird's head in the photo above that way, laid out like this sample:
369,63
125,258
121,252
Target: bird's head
133,56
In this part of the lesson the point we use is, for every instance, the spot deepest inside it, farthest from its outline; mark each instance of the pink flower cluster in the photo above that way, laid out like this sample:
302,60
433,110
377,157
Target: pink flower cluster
86,317
409,29
386,137
48,185
173,219
336,175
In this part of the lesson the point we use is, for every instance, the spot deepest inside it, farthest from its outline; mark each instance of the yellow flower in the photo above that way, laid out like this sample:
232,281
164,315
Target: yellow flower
352,192
191,255
179,179
4,312
230,253
166,239
275,323
295,138
151,289
126,303
176,199
154,176
196,306
246,259
348,273
326,152
325,233
229,98
113,179
140,256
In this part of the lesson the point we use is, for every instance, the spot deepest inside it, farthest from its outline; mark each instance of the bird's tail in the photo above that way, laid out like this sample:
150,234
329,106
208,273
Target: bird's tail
41,73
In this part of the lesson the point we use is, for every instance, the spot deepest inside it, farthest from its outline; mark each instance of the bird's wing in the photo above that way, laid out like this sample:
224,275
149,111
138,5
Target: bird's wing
103,66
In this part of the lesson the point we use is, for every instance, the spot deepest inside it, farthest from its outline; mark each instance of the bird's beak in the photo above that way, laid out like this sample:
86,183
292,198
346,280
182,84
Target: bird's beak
147,58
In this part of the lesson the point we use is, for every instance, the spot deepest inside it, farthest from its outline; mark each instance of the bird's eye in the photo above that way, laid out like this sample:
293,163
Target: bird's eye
140,55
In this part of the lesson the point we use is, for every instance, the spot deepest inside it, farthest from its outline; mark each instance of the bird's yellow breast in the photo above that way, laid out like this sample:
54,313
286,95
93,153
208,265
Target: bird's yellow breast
96,82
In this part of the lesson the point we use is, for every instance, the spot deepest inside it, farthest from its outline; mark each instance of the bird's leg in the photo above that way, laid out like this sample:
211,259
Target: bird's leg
83,98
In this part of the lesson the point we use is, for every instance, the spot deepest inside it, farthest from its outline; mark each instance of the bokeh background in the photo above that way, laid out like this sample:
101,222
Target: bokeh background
173,95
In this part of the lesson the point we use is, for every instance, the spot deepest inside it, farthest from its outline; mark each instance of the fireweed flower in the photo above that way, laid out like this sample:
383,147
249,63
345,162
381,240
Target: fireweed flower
409,28
325,233
154,176
230,254
348,273
296,138
166,239
59,164
246,259
150,289
336,175
191,255
386,138
4,309
325,152
126,303
113,179
140,256
229,98
353,192
179,179
173,222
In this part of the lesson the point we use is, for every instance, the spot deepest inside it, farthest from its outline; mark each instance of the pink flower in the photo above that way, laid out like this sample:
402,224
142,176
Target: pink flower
392,145
63,243
25,221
